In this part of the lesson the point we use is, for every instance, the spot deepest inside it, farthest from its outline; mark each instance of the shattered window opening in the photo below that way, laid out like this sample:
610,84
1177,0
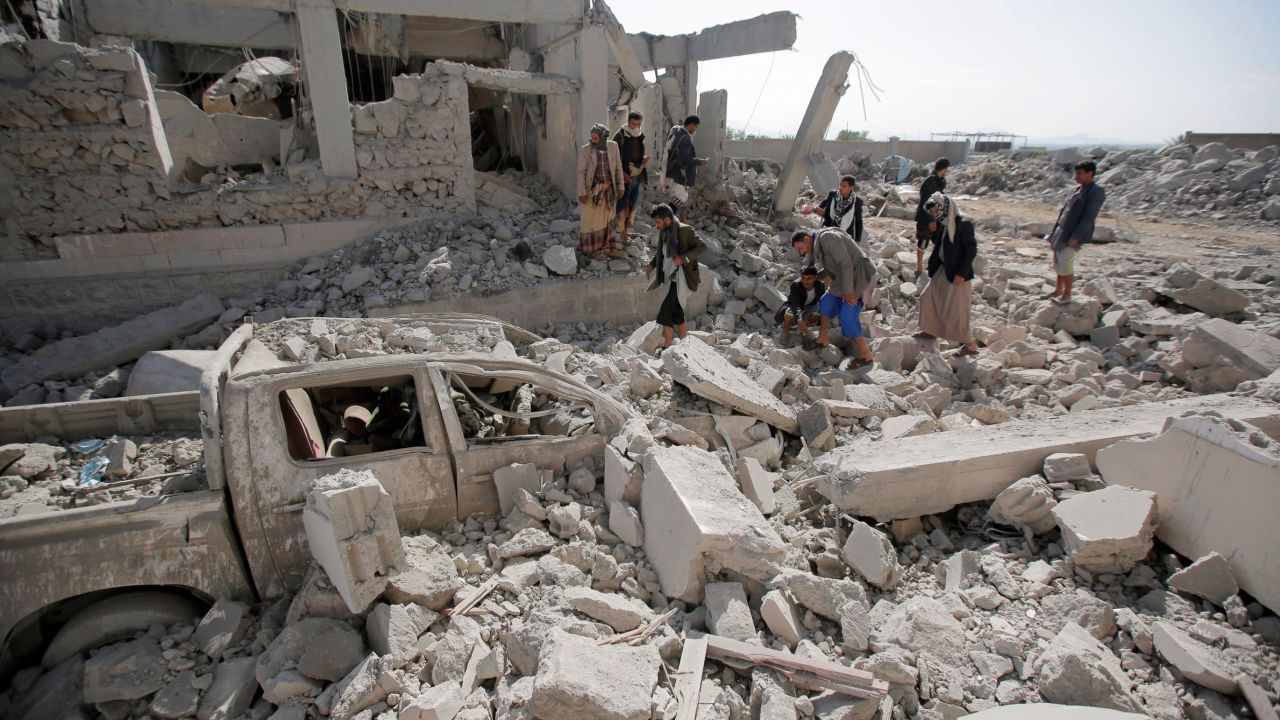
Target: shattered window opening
494,410
365,417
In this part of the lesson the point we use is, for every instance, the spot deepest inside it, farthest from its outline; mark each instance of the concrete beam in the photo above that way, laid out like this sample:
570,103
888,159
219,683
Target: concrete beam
766,33
624,53
326,82
822,107
933,473
512,11
528,83
190,23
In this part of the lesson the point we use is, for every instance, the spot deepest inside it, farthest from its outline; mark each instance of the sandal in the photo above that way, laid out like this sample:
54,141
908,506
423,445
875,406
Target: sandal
859,363
966,352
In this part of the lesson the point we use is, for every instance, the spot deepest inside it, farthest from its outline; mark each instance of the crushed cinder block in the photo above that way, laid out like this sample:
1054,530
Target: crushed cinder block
779,615
959,566
517,476
222,626
1076,669
579,679
1195,660
704,522
643,380
870,553
351,526
1027,505
1209,577
728,614
757,484
1108,530
707,374
1217,493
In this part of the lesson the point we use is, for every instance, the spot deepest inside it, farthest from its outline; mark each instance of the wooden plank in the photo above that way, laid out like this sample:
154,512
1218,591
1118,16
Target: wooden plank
688,686
856,683
1257,699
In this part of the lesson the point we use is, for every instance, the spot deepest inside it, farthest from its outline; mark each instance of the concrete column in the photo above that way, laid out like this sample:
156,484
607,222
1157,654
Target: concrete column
709,141
826,96
649,102
326,81
691,85
593,64
155,124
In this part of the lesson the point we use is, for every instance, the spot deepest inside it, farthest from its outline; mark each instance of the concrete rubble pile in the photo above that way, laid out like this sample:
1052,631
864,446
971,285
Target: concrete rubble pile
1176,181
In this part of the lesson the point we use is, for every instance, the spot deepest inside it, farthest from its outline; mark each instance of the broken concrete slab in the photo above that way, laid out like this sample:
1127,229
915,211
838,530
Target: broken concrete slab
1027,505
362,687
1209,577
757,484
351,526
923,625
177,699
393,631
617,611
779,615
624,521
168,371
1218,343
126,671
116,345
222,626
1108,530
319,648
728,614
1204,294
579,680
441,702
431,579
1195,660
904,426
704,522
816,428
1076,669
824,596
915,476
1217,491
232,691
870,553
708,374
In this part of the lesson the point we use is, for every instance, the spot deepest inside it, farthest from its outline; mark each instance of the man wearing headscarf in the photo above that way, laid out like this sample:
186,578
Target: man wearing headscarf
925,224
630,140
946,303
599,182
842,208
852,278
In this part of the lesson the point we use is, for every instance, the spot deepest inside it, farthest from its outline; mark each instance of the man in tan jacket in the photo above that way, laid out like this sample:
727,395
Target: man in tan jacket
599,183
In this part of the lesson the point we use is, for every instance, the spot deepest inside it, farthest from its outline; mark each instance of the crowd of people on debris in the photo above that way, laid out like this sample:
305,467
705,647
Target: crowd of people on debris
837,278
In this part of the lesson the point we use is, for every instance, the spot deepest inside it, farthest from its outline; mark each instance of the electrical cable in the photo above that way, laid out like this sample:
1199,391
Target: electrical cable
772,58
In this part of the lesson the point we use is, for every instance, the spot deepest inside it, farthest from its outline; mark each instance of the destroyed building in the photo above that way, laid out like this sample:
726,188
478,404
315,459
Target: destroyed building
312,409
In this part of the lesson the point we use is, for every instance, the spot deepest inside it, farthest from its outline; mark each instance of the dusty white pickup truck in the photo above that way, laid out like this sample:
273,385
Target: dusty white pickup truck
83,576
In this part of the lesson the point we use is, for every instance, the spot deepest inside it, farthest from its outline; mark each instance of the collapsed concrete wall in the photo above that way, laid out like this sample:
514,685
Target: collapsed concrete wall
84,141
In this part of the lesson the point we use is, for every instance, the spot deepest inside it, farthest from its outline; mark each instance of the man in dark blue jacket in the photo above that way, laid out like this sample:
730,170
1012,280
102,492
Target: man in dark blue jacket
802,304
1075,228
925,224
682,165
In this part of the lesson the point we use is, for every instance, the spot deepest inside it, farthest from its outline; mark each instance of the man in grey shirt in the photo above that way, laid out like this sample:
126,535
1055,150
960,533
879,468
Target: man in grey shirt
851,275
1075,228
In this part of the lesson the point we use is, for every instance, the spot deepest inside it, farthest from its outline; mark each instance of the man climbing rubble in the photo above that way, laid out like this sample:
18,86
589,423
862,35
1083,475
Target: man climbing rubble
853,279
842,208
678,248
802,305
1074,228
682,165
630,142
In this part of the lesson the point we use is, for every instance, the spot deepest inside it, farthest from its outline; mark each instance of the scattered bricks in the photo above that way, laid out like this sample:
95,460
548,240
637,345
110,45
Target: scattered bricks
517,476
1195,660
351,525
728,614
624,521
1209,577
707,374
704,522
234,686
622,477
780,617
816,427
1109,530
441,702
870,553
757,484
126,671
431,579
617,611
1076,669
1066,467
1027,505
579,680
221,627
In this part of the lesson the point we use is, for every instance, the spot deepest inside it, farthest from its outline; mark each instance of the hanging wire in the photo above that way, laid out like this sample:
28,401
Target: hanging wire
861,71
772,58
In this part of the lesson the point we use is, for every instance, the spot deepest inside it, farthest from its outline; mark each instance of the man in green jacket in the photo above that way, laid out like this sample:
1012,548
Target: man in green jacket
675,265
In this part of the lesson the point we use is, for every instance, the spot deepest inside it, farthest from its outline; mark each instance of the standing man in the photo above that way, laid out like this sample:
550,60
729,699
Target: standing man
675,261
946,304
630,141
599,181
1075,228
842,208
802,304
682,165
926,226
853,277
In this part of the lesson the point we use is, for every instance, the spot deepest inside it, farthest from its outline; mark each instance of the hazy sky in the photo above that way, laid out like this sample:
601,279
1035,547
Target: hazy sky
1137,70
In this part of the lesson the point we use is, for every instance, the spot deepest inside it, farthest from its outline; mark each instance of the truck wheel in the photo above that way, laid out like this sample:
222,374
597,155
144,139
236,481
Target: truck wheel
116,618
